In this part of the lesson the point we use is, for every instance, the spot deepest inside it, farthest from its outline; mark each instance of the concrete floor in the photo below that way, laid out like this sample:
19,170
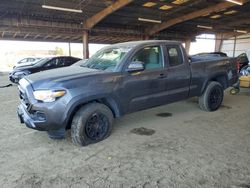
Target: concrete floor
191,148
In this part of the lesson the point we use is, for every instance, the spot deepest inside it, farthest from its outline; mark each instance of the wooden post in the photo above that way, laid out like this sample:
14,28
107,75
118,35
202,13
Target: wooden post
187,45
85,40
218,42
146,37
69,49
234,46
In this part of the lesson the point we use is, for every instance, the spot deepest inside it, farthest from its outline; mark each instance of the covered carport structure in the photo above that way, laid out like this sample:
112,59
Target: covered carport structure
176,145
112,21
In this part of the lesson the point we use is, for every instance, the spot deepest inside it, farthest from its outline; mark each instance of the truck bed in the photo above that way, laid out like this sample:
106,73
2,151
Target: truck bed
203,68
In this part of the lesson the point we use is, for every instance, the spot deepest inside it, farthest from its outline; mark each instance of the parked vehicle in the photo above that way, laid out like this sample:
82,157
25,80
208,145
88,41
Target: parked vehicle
27,61
120,79
211,54
42,65
243,60
245,71
244,80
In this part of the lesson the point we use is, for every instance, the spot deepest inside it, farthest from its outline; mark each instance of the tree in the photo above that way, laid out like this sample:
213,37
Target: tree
59,51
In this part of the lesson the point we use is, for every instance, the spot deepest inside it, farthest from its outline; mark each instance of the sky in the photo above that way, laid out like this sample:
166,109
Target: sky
8,46
204,43
10,51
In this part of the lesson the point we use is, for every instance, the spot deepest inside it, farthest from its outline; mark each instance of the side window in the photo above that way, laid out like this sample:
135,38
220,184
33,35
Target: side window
24,60
52,63
68,61
174,55
150,56
60,62
31,59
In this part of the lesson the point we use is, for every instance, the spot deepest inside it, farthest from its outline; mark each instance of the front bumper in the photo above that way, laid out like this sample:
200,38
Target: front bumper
40,119
13,78
26,118
38,115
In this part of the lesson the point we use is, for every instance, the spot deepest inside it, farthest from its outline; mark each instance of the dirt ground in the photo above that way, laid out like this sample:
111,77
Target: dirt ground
183,147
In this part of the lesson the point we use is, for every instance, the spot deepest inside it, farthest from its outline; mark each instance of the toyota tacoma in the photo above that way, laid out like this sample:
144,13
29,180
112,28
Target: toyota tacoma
117,80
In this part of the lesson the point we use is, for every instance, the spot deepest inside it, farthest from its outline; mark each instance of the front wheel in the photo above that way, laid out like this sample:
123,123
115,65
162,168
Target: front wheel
212,97
92,123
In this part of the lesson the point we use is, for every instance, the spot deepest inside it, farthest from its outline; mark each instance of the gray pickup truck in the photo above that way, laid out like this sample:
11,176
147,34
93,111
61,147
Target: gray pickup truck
118,80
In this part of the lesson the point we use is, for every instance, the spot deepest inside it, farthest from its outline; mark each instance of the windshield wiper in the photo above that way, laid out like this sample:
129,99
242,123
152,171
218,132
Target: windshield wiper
90,67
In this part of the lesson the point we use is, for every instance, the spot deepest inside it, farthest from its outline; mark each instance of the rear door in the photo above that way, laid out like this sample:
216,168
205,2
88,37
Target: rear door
69,61
146,88
178,73
54,63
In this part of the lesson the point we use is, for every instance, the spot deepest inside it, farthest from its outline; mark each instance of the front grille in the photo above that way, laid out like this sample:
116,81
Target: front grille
24,99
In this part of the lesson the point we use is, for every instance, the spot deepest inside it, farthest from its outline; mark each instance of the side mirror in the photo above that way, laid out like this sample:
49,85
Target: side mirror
136,66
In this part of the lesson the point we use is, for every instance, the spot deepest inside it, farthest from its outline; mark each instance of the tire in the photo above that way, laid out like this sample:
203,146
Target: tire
92,123
212,97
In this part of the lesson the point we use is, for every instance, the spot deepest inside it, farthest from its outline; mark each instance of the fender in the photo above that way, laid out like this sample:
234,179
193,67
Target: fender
219,77
80,100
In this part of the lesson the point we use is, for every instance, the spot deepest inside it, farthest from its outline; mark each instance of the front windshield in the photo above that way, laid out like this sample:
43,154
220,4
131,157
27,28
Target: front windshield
107,59
79,63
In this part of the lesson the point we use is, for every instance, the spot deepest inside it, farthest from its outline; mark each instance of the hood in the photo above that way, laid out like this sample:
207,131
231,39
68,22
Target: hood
24,67
49,78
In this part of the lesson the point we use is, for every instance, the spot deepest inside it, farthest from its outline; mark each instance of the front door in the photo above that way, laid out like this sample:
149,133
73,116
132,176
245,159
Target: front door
147,88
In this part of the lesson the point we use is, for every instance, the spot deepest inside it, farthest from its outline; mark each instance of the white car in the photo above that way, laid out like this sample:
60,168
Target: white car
27,61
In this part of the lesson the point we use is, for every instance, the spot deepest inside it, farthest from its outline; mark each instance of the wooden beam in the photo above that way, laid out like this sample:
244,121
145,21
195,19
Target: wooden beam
218,42
92,21
14,36
188,45
237,22
67,37
164,25
78,37
228,35
26,35
57,37
46,37
35,37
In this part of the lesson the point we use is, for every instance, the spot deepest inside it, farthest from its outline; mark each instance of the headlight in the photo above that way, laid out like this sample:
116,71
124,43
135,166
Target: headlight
48,95
21,73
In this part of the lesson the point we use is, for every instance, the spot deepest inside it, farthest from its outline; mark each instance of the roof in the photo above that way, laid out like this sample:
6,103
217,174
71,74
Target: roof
145,42
112,21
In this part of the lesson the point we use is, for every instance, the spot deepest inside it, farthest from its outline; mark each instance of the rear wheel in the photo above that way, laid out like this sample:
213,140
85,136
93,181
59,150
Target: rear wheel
91,124
212,97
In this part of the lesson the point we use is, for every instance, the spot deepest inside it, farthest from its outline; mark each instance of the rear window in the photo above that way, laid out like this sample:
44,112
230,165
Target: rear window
174,55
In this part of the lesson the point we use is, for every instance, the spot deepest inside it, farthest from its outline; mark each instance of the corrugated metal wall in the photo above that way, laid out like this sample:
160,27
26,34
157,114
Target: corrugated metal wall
242,44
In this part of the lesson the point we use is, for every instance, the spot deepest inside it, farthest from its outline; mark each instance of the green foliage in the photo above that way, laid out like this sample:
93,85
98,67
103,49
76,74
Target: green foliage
59,51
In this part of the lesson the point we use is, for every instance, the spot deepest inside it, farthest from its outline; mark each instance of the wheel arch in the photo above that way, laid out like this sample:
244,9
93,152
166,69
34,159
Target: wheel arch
111,103
220,78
